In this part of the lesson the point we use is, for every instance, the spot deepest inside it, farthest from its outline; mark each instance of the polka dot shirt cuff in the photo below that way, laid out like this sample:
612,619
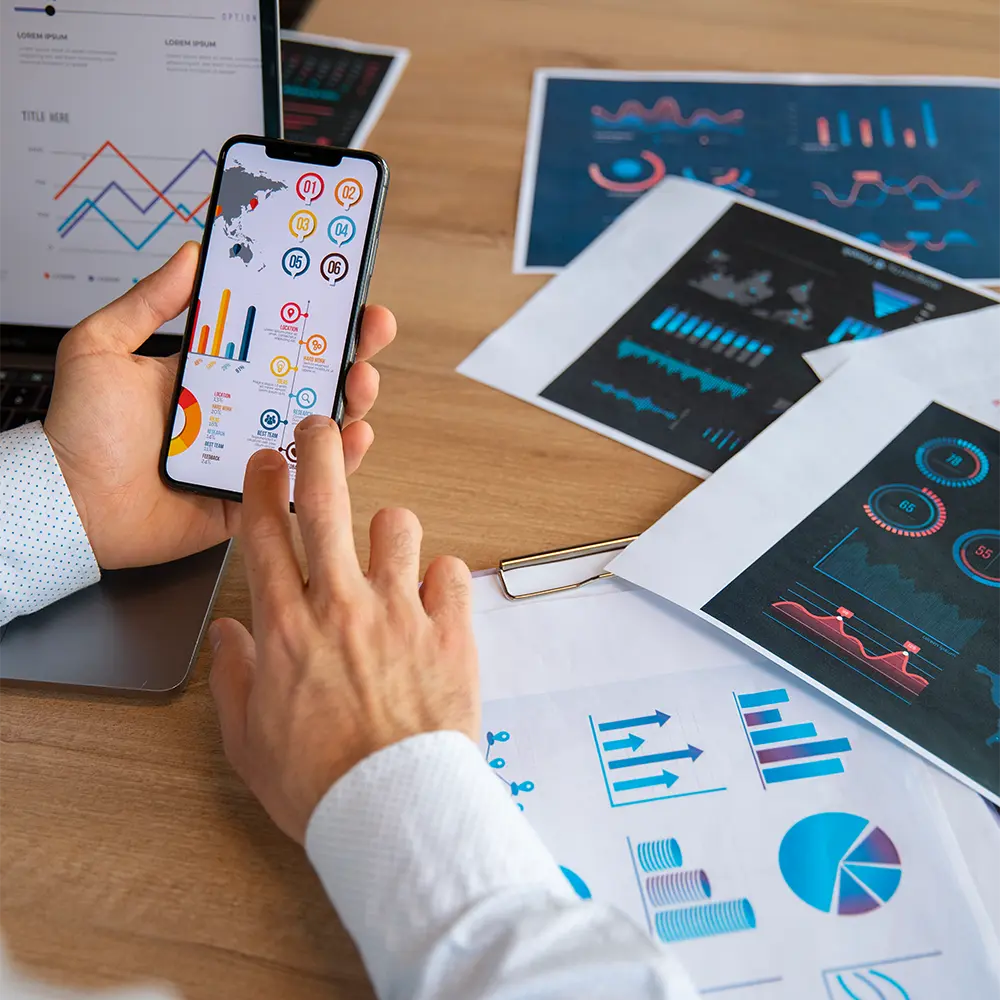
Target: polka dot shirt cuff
44,552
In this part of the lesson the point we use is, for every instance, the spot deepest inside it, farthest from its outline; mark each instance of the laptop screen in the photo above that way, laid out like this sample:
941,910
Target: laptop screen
113,112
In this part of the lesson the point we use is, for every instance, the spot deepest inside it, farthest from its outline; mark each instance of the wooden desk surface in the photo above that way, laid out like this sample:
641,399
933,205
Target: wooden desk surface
129,850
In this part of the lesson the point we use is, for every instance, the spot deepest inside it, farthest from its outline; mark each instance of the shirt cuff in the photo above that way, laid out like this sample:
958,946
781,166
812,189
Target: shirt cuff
44,551
413,836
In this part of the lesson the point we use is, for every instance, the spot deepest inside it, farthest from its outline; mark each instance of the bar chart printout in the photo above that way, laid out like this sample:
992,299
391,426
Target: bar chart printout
678,900
220,347
785,751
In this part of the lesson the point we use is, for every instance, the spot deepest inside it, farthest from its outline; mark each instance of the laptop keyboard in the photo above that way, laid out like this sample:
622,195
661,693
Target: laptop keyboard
24,395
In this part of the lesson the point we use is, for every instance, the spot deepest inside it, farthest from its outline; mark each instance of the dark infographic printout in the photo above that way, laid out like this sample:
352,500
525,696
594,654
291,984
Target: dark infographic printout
712,352
887,594
911,166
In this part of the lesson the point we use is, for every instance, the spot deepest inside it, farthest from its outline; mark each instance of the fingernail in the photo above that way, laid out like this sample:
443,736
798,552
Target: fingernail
314,423
267,459
215,636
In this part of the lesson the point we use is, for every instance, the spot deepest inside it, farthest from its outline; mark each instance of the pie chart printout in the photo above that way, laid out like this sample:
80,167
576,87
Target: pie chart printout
840,863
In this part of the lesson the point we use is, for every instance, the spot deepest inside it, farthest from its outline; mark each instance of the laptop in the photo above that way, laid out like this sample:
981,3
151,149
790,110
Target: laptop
112,124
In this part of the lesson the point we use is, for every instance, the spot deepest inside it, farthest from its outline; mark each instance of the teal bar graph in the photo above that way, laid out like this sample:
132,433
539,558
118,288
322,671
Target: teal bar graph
229,349
779,696
810,769
779,734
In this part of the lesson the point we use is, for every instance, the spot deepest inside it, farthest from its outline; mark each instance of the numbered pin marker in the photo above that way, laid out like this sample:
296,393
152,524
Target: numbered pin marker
341,230
295,262
334,267
348,192
309,187
302,224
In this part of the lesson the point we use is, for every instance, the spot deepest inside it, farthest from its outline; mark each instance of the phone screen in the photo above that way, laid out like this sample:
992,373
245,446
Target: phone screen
284,254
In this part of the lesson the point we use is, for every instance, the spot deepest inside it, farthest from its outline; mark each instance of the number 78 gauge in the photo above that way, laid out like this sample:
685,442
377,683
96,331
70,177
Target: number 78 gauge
290,237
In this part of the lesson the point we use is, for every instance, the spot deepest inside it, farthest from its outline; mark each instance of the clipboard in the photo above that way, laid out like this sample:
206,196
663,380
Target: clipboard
590,571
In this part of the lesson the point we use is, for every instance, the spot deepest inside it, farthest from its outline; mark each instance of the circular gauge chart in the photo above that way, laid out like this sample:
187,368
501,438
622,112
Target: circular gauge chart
952,461
840,863
906,510
187,422
977,555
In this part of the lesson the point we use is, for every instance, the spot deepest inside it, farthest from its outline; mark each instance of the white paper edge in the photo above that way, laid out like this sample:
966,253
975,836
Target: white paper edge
526,197
400,56
529,170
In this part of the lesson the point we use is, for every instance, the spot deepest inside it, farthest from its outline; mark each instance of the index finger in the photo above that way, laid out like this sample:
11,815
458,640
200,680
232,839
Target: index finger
323,507
266,533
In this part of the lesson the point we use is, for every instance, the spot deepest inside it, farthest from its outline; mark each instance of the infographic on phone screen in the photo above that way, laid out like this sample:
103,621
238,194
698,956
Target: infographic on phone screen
271,321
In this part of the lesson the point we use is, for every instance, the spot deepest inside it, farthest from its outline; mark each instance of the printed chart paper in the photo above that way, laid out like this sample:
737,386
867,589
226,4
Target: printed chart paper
953,352
856,543
908,164
680,330
779,846
335,90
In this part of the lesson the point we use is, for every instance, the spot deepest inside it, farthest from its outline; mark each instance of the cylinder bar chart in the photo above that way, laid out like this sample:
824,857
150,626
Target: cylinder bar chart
220,347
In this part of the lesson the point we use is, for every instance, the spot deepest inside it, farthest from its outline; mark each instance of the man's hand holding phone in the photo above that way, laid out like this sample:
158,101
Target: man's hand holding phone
108,412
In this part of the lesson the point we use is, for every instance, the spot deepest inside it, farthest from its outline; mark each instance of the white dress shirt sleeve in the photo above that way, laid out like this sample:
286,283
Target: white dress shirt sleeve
44,552
450,895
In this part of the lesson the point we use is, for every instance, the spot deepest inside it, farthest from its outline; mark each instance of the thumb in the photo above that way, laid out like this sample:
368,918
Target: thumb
129,321
234,659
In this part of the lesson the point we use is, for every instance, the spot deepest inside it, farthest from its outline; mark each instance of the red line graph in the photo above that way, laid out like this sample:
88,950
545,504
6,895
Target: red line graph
108,144
666,109
831,627
865,177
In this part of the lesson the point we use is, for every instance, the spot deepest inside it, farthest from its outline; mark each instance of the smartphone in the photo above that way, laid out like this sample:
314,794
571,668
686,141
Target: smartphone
286,258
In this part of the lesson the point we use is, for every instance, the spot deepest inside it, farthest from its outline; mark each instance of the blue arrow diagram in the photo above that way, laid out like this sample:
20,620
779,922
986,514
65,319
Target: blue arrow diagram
631,742
655,758
664,778
644,720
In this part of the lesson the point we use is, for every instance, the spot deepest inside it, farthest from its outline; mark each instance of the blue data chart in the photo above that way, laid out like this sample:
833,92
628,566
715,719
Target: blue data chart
912,168
642,761
784,751
886,979
840,863
677,901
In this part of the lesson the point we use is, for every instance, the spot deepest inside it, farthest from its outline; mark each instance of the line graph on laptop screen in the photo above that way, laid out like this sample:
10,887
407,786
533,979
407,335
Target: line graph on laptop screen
112,124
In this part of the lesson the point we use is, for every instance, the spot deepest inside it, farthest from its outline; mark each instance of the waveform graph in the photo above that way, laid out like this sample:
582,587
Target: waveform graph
895,978
712,337
831,629
640,404
920,239
785,751
850,563
642,760
870,189
844,130
708,382
665,115
679,902
115,201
